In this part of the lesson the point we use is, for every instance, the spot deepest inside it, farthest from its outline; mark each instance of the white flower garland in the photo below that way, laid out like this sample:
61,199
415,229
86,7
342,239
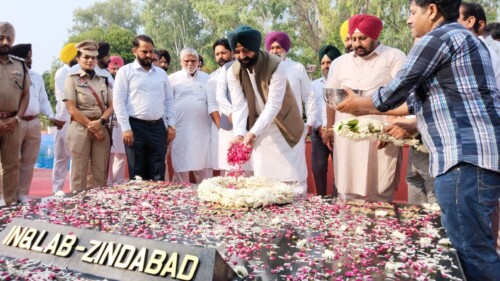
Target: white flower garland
369,129
242,192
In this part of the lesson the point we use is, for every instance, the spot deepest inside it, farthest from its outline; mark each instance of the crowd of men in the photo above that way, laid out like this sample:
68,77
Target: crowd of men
446,88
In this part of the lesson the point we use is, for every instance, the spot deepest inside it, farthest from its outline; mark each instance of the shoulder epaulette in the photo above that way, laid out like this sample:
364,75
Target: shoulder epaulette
17,58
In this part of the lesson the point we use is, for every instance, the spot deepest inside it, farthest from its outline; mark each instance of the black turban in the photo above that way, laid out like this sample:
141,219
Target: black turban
103,50
20,50
245,35
330,51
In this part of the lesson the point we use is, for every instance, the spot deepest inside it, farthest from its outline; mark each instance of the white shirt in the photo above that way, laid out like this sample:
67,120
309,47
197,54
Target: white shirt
60,77
495,57
142,94
301,88
276,94
493,44
221,95
39,101
105,72
318,86
211,91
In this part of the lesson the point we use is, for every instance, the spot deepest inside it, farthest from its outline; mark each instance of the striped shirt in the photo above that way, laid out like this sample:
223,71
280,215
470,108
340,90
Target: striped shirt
456,100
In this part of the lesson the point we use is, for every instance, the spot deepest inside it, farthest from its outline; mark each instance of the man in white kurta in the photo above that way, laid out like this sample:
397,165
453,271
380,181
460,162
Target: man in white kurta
278,43
62,154
265,113
117,156
226,134
361,170
221,127
191,148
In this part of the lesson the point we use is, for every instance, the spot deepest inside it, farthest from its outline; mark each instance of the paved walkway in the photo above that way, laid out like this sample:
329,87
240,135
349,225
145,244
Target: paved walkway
41,186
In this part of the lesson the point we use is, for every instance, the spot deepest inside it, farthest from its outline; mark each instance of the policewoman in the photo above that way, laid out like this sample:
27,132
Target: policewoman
88,99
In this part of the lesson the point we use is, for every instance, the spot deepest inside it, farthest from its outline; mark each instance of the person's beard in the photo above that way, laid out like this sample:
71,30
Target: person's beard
221,62
72,62
363,52
103,64
4,50
146,62
164,68
191,70
348,49
249,62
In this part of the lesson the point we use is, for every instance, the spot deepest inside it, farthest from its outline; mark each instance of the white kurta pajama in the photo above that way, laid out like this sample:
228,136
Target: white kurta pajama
213,107
191,147
272,157
301,86
62,154
360,169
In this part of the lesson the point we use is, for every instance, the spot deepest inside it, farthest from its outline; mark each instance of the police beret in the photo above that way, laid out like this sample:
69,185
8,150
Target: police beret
88,47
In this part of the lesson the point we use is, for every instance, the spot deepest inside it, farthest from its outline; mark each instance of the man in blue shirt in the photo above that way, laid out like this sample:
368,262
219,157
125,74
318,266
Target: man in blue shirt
457,104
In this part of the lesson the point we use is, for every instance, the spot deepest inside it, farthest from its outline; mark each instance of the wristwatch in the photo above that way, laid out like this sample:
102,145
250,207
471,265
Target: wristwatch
171,126
17,119
103,121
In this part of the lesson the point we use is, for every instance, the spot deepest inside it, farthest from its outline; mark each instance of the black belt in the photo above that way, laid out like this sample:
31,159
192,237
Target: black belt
5,115
145,122
29,118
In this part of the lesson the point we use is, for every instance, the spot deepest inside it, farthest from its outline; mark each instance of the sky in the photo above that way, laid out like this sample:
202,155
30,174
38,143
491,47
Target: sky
44,24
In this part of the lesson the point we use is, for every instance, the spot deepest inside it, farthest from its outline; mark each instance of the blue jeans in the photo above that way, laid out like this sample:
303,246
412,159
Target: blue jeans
468,195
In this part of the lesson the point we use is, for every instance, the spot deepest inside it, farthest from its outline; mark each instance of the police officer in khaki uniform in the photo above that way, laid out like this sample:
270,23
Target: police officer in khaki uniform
88,99
14,99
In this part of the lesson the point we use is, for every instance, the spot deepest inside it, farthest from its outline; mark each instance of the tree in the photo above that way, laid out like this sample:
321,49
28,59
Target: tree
173,25
49,88
123,13
119,39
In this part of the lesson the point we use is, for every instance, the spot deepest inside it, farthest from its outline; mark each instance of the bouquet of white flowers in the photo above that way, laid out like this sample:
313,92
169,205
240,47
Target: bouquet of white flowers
359,129
367,129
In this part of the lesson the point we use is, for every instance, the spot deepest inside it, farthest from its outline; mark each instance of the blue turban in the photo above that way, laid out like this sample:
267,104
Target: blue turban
245,35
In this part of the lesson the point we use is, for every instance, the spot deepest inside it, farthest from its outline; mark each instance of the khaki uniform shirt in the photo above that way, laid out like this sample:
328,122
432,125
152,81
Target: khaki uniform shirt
13,77
76,87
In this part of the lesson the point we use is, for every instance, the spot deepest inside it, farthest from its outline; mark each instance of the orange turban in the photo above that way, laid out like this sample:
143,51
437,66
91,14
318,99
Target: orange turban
370,26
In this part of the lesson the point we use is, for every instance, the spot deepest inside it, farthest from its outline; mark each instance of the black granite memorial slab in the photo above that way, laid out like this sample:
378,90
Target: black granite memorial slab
111,256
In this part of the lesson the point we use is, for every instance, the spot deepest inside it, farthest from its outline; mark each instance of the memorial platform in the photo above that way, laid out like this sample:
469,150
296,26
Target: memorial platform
310,239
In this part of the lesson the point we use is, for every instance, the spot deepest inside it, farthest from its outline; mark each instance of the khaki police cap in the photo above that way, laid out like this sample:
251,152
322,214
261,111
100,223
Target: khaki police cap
88,47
